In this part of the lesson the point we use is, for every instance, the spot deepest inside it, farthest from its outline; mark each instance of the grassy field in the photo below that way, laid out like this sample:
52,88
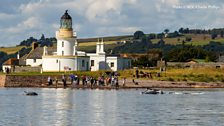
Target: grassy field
89,44
109,38
190,74
187,74
197,39
94,43
11,50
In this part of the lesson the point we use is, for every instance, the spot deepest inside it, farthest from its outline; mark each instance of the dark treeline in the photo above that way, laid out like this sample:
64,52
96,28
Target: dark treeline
176,53
4,56
141,43
213,32
42,41
201,31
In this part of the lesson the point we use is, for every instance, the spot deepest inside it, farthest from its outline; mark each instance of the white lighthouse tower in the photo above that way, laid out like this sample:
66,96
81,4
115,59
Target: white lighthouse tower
67,57
66,39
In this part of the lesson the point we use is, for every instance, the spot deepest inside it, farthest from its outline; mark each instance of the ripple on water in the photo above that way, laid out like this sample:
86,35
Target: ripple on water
115,107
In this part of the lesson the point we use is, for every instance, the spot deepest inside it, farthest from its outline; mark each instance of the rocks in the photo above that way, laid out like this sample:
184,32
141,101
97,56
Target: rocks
41,81
2,80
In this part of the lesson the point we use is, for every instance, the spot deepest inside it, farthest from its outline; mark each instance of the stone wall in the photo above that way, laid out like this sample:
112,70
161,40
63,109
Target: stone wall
2,80
23,81
27,69
28,80
196,65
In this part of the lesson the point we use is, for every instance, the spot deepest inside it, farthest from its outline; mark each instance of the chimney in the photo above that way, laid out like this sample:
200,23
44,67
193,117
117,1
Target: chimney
18,55
34,45
98,47
45,51
102,46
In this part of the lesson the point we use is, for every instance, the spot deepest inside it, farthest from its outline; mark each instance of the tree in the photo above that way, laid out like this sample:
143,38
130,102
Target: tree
42,37
188,39
181,30
142,61
152,36
189,52
166,31
213,35
28,42
138,35
161,42
173,35
160,35
221,34
183,43
186,31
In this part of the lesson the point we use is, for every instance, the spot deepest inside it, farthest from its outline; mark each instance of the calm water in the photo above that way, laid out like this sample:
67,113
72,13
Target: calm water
66,107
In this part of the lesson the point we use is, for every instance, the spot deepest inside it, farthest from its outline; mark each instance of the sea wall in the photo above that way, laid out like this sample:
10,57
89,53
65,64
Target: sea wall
25,81
41,81
2,80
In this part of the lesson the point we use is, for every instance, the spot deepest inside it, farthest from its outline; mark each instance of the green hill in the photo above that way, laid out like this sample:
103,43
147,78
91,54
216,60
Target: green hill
197,39
11,50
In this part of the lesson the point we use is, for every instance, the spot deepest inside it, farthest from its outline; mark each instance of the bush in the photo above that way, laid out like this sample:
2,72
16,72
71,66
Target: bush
170,79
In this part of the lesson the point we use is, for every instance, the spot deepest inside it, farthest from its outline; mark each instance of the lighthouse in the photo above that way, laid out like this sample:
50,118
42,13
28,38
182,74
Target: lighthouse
66,38
68,58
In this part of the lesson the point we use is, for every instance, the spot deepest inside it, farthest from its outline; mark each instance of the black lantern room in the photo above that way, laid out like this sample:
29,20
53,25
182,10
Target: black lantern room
66,21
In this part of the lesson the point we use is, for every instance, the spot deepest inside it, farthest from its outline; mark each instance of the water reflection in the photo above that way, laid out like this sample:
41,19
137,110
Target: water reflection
62,107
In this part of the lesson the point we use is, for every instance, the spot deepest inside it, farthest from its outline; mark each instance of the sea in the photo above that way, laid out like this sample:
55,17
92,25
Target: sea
129,107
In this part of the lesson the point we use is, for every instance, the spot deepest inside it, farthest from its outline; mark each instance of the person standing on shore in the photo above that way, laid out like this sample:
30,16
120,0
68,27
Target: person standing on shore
72,77
64,80
77,80
137,73
91,82
49,80
56,81
124,81
83,80
116,82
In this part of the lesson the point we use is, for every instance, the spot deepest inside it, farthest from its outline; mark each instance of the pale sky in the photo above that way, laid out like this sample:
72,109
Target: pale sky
20,19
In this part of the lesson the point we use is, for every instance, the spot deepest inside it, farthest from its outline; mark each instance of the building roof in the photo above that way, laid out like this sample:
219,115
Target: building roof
37,53
11,61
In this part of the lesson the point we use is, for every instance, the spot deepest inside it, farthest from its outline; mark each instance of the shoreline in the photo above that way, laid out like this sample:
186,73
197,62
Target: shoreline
37,81
130,85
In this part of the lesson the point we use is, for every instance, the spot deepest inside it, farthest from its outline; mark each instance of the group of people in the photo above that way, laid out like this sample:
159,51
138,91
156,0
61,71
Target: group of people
143,74
87,80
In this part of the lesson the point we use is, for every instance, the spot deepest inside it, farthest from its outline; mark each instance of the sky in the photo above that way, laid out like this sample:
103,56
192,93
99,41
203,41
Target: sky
21,19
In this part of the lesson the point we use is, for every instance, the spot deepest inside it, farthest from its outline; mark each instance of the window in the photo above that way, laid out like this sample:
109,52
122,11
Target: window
62,44
34,60
112,64
62,53
92,62
83,63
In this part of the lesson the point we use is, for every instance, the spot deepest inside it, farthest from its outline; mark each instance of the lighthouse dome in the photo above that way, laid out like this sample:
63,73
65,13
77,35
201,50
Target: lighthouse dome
66,21
66,15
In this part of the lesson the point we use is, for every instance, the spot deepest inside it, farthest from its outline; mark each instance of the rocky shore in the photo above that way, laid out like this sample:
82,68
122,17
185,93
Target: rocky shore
41,82
172,84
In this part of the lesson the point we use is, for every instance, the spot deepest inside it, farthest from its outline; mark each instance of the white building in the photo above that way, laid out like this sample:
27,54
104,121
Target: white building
101,61
67,57
34,58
